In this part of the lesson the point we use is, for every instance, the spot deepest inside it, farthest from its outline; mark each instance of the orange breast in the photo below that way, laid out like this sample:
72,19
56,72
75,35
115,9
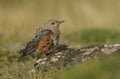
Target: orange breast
46,45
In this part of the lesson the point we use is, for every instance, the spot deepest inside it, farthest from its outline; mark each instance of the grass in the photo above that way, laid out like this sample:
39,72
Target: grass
19,19
103,68
93,36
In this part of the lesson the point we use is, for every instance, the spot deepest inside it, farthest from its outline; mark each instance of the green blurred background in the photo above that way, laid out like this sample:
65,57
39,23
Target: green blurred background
20,18
87,22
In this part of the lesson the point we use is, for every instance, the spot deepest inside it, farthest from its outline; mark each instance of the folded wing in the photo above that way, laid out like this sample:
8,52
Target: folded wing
32,46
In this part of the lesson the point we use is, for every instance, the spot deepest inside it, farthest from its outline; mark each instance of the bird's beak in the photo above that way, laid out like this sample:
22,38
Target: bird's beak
62,21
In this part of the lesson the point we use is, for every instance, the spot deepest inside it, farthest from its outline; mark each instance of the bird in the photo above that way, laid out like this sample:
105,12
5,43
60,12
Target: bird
45,39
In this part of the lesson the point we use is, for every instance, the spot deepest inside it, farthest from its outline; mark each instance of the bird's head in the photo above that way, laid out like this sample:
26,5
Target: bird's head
53,24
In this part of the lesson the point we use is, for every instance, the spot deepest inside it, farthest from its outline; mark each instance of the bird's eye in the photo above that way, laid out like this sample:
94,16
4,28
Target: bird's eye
53,23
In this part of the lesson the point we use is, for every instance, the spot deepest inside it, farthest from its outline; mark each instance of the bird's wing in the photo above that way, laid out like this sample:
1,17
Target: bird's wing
33,45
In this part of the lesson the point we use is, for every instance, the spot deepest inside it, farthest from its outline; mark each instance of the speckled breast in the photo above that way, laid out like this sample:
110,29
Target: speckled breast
46,45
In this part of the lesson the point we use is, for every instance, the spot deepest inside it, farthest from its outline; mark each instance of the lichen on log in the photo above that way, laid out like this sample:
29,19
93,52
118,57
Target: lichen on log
72,55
